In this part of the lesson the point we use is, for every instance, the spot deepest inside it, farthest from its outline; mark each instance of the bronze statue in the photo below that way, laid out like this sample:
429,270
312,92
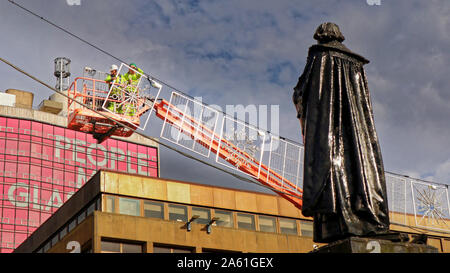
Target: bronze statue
344,186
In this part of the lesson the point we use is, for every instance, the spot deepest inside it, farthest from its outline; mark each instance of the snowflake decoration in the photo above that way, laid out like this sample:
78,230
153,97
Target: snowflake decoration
430,204
130,100
243,142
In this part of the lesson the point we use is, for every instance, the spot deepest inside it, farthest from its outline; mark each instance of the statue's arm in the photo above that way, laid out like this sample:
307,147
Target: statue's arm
300,89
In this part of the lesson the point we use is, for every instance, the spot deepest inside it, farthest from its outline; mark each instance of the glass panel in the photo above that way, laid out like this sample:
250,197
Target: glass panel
63,233
267,224
109,204
306,228
177,213
47,247
225,218
81,217
72,225
168,249
131,248
11,147
153,209
98,204
160,249
246,221
54,240
204,213
110,247
24,149
129,206
19,238
91,208
288,226
181,250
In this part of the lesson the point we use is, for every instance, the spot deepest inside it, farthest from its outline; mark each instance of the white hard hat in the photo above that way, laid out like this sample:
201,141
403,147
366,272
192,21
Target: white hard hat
113,67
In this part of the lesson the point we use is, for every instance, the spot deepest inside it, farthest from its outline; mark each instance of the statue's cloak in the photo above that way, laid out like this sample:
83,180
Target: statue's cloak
344,185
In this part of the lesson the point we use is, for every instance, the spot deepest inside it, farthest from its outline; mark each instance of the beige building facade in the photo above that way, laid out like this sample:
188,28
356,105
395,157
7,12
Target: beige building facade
118,212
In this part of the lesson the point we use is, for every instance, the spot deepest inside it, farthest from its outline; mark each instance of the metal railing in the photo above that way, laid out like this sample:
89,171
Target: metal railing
89,91
418,203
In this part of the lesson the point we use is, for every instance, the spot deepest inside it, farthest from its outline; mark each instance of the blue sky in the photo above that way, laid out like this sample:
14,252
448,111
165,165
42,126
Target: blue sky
252,52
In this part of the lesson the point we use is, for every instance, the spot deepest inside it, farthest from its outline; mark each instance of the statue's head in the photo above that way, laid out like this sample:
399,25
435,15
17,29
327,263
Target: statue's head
328,32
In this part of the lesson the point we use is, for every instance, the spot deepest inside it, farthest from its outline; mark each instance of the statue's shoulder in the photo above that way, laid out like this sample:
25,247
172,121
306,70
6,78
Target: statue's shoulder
335,47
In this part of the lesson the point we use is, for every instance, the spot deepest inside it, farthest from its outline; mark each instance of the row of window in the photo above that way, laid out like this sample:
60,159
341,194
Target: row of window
115,246
180,213
70,225
52,174
203,215
66,156
33,144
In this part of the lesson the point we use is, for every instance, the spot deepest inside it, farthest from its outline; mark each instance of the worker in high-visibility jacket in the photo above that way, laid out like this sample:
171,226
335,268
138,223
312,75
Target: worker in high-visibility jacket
115,97
131,79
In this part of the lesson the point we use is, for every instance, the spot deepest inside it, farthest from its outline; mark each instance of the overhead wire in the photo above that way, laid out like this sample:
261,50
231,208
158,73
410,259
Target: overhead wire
146,74
149,77
122,61
143,135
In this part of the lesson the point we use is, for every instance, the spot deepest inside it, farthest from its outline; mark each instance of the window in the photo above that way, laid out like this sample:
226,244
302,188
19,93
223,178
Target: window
47,247
225,218
98,204
91,208
178,213
171,249
129,206
159,249
120,247
110,247
204,213
153,209
72,225
306,228
81,217
246,221
63,232
131,248
267,224
54,240
109,203
288,226
212,250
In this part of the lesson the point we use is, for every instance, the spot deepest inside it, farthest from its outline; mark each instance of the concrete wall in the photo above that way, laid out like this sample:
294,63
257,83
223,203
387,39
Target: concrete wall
149,231
196,194
24,99
155,231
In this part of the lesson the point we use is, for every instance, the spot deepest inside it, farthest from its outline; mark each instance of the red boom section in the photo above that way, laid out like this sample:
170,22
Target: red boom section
229,152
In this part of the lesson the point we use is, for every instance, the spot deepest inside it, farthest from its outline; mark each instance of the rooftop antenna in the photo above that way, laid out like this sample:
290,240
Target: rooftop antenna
62,74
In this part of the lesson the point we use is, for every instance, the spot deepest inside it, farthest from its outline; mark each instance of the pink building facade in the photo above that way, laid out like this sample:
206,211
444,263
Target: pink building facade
42,165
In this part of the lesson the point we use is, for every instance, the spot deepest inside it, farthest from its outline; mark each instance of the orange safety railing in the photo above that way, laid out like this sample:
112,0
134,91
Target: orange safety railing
93,93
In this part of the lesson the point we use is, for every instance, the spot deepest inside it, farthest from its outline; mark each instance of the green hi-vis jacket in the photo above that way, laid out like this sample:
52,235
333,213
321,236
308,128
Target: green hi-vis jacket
133,78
